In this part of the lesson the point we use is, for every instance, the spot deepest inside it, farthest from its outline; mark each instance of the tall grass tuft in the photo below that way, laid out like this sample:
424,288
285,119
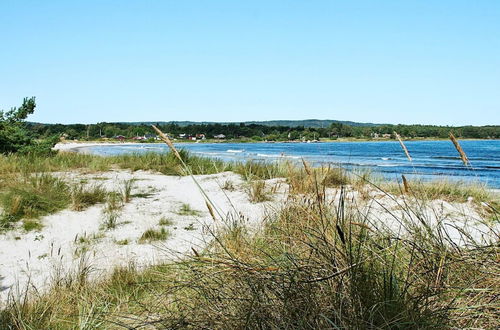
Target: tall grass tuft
258,192
152,235
32,197
112,210
126,190
83,196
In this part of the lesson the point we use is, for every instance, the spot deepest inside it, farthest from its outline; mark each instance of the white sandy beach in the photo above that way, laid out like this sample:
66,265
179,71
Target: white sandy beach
79,146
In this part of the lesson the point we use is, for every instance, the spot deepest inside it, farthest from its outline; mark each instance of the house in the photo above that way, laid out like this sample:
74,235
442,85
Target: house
120,137
182,136
200,136
192,138
139,138
219,136
386,136
151,136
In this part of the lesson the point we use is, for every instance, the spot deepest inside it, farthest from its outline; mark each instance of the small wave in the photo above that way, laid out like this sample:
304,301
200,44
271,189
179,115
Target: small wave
235,150
388,165
206,153
385,158
444,157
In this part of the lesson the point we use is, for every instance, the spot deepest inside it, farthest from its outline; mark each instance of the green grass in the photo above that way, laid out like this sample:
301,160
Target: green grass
32,197
253,170
126,190
163,163
29,225
83,196
186,210
486,201
152,235
112,210
165,222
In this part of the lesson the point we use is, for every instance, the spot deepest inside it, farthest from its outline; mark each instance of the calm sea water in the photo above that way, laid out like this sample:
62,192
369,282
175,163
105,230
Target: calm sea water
431,159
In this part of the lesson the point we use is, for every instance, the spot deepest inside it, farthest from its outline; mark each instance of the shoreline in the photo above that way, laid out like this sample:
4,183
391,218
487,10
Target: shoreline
74,145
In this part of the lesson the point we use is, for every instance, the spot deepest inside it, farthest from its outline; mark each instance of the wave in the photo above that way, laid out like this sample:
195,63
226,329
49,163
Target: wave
235,150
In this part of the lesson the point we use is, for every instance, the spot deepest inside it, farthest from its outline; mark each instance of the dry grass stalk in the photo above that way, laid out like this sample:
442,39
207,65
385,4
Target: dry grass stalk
463,156
188,169
403,146
168,142
306,167
406,185
211,210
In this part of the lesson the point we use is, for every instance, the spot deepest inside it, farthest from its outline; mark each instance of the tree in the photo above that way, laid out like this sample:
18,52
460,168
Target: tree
14,137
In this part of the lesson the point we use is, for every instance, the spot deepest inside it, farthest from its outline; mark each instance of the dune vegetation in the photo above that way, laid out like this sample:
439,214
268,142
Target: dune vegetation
316,262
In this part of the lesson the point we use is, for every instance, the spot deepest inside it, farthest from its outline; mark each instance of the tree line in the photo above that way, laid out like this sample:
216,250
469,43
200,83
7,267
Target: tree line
19,136
257,132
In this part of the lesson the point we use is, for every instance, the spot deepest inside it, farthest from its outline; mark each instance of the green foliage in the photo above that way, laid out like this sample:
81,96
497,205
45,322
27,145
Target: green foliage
15,137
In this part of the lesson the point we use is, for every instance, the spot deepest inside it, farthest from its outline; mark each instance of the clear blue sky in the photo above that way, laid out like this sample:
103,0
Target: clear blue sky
401,61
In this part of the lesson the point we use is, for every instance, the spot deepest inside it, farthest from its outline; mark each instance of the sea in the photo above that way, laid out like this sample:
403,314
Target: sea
430,159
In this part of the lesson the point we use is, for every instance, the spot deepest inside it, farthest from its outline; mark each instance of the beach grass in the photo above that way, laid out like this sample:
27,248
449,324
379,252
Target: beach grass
313,264
84,196
187,210
152,235
258,192
32,197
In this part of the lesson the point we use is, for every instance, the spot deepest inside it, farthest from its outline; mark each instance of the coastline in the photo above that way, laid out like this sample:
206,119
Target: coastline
75,145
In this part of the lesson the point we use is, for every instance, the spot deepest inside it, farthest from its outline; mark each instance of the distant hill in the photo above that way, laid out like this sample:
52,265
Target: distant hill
316,123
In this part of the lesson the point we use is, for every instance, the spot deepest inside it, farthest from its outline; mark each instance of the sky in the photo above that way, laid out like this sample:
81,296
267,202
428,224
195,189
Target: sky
411,62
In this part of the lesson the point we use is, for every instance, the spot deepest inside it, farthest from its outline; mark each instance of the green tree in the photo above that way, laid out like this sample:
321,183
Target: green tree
15,137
